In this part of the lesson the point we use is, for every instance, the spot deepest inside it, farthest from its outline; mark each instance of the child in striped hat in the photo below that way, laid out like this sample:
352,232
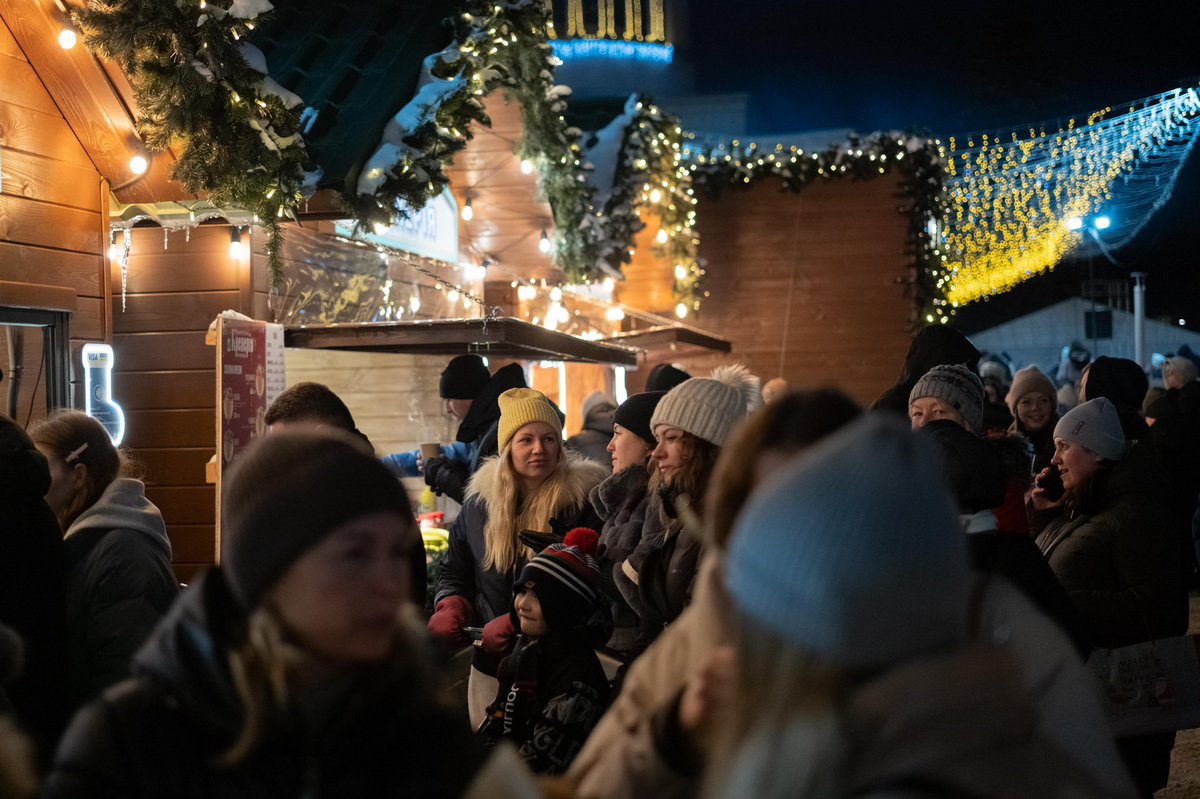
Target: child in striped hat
553,689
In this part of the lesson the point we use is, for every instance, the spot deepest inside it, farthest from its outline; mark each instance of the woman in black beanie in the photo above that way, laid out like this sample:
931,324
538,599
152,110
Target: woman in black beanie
292,669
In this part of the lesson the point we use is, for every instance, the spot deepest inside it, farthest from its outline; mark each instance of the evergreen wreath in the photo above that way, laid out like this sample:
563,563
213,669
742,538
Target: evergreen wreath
197,84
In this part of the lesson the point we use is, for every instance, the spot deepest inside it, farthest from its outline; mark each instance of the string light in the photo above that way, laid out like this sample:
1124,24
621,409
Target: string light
544,243
526,166
138,164
467,213
67,38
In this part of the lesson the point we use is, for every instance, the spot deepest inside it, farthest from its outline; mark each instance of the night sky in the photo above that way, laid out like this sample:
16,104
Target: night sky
954,68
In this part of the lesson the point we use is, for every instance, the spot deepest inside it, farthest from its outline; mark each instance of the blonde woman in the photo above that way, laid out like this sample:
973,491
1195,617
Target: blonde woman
533,484
117,555
293,668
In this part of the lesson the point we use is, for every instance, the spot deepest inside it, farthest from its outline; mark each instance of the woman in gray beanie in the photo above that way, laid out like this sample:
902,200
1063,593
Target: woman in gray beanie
1110,542
690,425
295,667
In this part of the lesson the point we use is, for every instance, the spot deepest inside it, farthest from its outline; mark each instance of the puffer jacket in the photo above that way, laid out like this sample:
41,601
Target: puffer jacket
162,733
119,585
1115,553
621,501
463,573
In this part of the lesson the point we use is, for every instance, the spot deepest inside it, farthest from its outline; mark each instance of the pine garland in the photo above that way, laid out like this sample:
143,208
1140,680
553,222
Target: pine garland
860,158
194,85
498,45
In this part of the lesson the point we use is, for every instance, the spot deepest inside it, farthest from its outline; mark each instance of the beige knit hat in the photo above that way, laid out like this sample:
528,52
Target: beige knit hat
1029,380
519,407
709,407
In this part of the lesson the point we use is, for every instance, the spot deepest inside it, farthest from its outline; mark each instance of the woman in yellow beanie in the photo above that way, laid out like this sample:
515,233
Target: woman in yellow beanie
532,484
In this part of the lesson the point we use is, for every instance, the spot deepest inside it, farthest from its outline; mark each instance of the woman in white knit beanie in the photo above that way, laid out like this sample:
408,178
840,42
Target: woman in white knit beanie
690,425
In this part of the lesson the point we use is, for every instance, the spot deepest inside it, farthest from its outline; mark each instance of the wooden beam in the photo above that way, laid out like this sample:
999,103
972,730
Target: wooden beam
101,119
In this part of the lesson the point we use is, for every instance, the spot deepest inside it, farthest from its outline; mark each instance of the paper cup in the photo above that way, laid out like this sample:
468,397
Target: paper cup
430,451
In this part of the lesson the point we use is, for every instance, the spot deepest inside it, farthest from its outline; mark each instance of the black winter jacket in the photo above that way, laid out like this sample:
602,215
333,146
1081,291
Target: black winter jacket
119,585
1115,552
161,734
621,501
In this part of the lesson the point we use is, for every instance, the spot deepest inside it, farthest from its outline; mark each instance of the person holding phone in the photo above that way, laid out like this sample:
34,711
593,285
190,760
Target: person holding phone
1109,541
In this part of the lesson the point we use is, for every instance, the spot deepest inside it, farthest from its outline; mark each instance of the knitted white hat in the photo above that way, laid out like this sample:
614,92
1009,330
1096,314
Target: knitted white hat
854,551
709,407
1094,425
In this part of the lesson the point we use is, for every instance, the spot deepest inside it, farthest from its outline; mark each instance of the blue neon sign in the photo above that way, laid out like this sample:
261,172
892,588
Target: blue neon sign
651,52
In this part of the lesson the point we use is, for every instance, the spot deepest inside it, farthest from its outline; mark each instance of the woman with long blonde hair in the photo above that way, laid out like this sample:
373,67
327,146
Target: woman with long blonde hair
532,485
294,668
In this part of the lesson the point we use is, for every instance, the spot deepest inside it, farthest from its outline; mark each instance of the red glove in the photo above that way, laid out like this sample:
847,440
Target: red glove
497,635
448,618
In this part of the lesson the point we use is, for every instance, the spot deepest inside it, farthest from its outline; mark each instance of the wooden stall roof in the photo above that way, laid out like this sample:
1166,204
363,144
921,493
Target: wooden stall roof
673,339
497,338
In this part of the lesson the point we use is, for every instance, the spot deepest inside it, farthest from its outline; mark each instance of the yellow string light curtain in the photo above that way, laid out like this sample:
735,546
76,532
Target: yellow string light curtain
1018,201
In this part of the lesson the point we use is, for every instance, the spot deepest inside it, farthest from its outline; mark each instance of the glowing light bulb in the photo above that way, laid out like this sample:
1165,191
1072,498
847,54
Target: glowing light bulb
608,284
379,228
680,272
467,212
655,196
681,310
236,249
138,165
526,166
1074,223
414,304
661,238
1101,223
614,314
544,243
67,38
556,294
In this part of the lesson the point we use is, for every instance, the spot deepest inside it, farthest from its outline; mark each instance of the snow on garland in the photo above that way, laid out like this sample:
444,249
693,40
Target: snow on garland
641,150
498,45
197,83
715,166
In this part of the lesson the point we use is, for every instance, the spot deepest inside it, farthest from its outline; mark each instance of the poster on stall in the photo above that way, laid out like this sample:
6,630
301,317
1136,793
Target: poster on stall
250,375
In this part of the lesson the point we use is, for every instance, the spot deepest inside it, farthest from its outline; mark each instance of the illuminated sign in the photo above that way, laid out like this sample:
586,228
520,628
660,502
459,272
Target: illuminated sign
432,231
652,52
97,390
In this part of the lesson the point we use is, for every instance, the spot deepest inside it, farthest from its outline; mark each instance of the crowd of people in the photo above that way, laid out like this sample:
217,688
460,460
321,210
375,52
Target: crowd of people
717,588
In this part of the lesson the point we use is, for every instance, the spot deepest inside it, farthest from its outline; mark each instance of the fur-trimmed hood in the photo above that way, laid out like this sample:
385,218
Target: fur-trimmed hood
577,481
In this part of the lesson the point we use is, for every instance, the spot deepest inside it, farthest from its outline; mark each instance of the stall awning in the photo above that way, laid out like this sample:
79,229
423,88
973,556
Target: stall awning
495,338
673,339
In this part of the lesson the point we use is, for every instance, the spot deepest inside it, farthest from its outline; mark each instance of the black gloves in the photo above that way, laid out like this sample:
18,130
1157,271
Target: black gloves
447,477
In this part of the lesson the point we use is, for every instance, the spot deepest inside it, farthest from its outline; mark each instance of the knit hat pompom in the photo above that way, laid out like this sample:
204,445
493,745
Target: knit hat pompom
584,538
957,386
709,407
844,560
522,406
290,490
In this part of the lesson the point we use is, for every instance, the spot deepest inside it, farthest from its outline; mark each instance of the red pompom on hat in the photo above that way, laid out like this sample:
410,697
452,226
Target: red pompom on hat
585,538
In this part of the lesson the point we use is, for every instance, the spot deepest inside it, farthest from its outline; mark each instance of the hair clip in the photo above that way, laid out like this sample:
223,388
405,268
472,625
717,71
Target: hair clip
73,455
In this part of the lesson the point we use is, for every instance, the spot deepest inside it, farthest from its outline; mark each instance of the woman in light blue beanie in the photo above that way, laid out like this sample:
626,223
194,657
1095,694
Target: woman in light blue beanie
857,670
1111,543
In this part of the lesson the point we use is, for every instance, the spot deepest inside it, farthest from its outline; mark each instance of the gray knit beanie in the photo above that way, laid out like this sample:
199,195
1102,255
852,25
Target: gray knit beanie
957,386
709,407
848,561
289,491
1030,380
1094,425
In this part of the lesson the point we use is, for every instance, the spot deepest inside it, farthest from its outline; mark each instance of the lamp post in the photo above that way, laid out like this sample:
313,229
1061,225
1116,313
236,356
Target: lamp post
1093,226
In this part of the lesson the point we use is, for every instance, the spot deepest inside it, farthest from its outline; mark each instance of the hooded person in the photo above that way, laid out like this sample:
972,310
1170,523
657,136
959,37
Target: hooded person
592,441
621,502
553,689
117,557
1123,383
532,485
690,424
1111,544
294,668
977,476
935,345
478,432
665,377
854,669
32,588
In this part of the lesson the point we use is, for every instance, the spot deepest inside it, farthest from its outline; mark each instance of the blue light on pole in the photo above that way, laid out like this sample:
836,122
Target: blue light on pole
1101,223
